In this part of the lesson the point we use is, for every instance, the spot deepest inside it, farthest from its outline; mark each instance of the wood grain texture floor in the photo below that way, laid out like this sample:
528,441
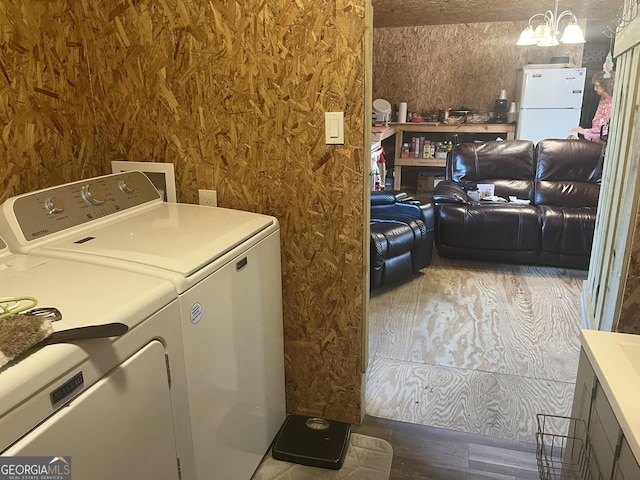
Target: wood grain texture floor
428,453
475,347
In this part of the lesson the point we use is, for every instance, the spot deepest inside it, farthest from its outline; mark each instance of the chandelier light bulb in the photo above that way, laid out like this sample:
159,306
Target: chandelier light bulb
526,37
542,32
546,33
572,34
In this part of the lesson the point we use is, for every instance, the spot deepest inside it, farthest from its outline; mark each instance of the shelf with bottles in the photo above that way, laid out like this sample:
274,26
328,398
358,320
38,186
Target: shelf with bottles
447,135
423,148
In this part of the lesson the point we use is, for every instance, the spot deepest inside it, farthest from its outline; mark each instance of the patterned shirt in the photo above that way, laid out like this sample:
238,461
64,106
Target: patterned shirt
601,117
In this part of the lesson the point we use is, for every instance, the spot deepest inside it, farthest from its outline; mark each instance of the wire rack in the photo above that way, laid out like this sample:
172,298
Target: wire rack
563,450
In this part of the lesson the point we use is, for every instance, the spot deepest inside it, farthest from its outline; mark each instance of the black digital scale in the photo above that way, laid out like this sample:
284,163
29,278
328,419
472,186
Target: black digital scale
312,441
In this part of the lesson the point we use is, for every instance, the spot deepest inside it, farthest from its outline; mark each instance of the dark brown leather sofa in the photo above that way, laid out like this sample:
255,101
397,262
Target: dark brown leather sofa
560,178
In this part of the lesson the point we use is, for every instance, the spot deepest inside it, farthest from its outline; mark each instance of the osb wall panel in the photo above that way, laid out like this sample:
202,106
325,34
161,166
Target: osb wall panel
449,66
629,321
234,94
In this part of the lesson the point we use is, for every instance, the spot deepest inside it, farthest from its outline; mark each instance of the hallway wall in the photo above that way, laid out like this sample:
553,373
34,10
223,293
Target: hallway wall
234,94
449,66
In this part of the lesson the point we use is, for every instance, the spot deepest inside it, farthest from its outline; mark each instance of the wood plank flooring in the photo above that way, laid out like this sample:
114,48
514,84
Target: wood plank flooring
428,453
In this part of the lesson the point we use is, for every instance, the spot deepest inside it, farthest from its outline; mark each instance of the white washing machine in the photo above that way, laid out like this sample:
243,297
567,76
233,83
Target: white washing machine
111,406
225,267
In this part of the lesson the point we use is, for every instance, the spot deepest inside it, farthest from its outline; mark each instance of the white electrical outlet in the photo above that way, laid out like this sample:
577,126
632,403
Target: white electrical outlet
208,198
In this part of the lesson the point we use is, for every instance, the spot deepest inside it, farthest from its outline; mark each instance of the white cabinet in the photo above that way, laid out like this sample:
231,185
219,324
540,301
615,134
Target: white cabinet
627,466
610,452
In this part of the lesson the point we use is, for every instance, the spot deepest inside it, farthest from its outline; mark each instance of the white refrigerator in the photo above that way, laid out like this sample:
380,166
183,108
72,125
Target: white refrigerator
549,98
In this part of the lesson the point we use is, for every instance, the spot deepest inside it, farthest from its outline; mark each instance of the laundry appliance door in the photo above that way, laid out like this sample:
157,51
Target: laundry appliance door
120,427
232,328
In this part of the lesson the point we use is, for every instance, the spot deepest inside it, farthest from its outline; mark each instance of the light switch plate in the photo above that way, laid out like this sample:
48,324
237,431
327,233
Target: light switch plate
334,128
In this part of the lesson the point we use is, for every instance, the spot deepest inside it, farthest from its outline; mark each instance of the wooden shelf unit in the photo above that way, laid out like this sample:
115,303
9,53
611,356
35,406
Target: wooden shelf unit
503,130
379,136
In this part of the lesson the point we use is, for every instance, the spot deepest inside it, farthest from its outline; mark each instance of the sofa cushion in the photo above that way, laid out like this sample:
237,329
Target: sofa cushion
567,235
495,227
568,173
507,165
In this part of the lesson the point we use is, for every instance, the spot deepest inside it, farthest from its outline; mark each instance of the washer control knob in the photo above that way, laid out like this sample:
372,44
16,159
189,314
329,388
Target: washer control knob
54,205
93,194
126,187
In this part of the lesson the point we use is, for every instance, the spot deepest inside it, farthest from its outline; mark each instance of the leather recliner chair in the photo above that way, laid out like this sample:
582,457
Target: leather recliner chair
402,231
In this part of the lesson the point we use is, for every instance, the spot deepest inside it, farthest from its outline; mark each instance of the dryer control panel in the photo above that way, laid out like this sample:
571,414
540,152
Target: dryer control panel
44,212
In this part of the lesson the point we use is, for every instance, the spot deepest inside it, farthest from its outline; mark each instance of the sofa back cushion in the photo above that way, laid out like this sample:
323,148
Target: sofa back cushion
509,165
568,173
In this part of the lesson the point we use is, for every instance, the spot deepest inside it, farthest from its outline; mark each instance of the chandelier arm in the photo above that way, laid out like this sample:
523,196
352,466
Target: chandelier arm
567,13
536,15
549,16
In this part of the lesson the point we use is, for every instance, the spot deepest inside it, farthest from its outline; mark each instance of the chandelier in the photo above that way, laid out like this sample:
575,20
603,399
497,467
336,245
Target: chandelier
546,32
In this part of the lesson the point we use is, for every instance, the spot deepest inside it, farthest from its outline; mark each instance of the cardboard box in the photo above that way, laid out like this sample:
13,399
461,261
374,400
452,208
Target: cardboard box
425,183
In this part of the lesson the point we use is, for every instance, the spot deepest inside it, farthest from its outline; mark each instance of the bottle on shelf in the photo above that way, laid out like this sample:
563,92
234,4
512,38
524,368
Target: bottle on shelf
405,150
426,149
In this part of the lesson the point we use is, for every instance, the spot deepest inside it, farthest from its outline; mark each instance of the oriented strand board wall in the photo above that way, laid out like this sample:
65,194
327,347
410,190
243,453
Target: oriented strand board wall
448,66
234,94
628,321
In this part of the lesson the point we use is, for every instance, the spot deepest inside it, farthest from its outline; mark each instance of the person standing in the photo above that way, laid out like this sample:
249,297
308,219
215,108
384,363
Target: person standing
603,86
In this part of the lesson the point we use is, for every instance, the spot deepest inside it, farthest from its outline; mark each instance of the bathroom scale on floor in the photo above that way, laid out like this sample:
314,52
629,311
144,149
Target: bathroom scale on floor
312,441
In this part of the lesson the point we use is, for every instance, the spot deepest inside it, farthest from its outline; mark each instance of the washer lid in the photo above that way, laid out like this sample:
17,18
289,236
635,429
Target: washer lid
179,238
85,294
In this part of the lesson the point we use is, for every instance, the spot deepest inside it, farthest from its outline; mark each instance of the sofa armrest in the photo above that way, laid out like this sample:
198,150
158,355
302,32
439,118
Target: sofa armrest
448,191
382,197
398,210
389,197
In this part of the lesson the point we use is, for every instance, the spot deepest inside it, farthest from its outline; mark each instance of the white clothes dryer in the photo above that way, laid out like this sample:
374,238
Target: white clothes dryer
111,407
225,267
